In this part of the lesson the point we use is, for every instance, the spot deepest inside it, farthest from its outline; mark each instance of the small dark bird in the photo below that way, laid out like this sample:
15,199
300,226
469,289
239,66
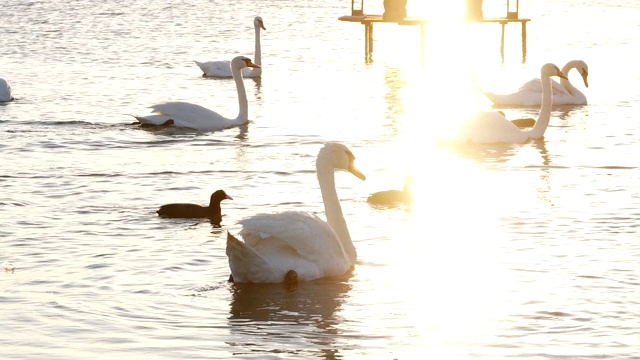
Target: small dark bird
190,211
393,197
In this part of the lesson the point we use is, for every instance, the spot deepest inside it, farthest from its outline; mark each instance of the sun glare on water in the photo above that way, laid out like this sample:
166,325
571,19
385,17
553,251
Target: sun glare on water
443,10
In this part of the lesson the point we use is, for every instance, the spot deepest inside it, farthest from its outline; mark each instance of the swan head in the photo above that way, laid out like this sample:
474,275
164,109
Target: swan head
584,71
549,70
240,62
341,158
258,23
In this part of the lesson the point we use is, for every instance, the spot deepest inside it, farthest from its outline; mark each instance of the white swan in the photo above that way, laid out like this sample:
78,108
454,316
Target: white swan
184,114
223,68
564,93
290,245
5,91
486,127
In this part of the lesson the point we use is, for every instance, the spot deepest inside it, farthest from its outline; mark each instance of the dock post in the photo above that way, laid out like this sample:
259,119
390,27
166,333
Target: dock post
524,41
422,42
502,42
368,41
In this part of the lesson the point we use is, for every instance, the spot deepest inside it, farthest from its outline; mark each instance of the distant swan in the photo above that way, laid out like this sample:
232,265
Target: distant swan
184,114
492,127
564,93
293,245
223,68
393,197
192,211
5,91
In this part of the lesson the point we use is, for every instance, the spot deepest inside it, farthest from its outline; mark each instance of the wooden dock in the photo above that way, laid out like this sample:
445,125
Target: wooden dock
368,20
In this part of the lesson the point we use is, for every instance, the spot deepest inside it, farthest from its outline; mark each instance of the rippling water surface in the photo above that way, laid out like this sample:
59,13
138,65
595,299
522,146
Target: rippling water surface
522,251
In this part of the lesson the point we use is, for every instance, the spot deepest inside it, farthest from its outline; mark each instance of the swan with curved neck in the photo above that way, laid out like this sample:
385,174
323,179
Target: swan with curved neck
295,244
564,93
188,115
5,91
486,127
223,68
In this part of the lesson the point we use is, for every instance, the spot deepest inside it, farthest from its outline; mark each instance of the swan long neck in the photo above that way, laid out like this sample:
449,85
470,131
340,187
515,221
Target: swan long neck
545,109
257,53
243,104
332,208
565,70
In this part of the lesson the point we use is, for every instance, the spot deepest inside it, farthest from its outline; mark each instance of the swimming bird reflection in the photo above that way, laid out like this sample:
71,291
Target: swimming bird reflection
299,321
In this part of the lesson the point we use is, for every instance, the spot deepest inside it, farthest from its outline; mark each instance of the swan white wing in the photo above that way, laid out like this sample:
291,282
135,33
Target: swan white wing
487,127
531,85
309,236
534,85
184,109
193,116
223,69
530,93
247,265
153,119
215,68
269,263
517,98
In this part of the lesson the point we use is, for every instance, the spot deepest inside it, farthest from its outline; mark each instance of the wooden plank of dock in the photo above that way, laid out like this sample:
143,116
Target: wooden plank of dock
368,20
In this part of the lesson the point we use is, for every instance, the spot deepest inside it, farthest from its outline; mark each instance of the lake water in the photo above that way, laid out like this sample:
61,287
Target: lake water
524,251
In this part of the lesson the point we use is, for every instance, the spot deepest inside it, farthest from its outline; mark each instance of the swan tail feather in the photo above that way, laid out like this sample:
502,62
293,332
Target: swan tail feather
155,120
245,263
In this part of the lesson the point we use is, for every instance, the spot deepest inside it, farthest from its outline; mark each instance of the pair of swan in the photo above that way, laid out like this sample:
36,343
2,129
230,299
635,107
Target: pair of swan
564,93
5,91
184,114
492,127
212,212
188,115
296,246
223,68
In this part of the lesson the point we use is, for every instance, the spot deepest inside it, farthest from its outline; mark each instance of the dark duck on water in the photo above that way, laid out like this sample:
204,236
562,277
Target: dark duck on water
212,212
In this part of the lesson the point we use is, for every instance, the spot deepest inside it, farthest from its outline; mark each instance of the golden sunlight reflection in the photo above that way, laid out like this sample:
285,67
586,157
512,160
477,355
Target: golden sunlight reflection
450,246
450,10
